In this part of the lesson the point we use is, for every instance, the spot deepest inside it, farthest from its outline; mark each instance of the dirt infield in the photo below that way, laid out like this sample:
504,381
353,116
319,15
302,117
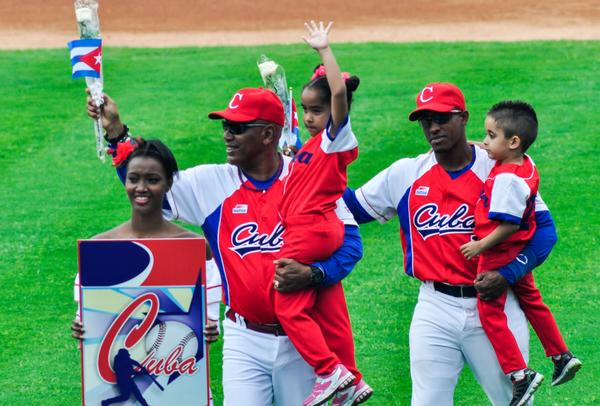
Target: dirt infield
50,23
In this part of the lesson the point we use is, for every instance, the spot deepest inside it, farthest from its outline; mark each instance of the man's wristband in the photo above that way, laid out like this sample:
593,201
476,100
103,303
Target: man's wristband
317,275
120,138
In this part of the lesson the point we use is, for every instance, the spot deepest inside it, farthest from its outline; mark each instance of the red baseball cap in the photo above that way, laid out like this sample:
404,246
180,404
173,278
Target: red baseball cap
440,97
251,104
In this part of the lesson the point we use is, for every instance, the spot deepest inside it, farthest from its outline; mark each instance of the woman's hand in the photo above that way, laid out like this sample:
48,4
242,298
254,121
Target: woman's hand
211,331
77,329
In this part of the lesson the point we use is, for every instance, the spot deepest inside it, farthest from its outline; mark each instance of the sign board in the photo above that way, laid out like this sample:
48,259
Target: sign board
143,307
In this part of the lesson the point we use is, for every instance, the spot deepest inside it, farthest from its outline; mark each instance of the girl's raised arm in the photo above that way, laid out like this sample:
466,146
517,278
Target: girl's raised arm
318,39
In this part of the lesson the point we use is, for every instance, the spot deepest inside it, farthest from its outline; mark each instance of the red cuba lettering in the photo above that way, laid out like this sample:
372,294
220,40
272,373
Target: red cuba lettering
135,335
170,364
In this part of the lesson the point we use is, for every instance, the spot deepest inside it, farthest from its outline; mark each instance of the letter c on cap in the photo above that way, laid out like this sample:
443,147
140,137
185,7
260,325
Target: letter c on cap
235,101
422,95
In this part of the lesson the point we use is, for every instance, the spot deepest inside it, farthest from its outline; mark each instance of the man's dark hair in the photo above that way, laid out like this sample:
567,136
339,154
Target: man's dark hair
159,151
518,118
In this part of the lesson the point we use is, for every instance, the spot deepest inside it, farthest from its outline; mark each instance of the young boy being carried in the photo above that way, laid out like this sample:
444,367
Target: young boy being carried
504,222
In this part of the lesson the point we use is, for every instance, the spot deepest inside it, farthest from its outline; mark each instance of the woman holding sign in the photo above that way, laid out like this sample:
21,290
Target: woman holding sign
150,172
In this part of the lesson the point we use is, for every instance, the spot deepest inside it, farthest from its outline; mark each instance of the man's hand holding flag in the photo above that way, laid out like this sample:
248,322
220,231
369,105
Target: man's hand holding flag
86,59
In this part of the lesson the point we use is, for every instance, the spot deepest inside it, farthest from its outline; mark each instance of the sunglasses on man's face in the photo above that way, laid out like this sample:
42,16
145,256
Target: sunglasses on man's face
239,128
439,118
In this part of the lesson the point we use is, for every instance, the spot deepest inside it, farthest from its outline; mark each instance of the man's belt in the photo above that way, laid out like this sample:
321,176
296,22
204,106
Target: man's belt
464,291
274,329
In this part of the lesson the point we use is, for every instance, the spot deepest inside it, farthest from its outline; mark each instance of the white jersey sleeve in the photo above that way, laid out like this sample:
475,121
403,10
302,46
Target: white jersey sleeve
540,205
344,140
76,296
213,289
509,197
483,163
344,213
198,191
381,195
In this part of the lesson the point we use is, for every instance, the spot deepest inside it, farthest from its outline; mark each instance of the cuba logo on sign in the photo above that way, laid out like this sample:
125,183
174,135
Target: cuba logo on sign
171,362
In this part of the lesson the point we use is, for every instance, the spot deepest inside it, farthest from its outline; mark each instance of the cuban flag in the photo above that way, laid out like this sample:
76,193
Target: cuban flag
86,57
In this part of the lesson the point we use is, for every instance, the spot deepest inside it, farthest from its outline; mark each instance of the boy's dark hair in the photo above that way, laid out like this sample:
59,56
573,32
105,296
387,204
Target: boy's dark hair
518,118
159,151
320,83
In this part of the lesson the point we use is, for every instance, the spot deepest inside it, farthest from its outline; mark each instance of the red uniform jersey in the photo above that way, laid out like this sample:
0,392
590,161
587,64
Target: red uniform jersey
317,177
436,211
240,222
508,195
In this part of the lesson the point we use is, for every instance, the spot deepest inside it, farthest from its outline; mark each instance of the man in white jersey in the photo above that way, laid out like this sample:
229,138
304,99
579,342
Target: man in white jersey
236,206
434,197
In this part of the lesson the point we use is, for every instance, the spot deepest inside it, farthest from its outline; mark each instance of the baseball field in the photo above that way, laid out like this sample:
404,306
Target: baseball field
54,190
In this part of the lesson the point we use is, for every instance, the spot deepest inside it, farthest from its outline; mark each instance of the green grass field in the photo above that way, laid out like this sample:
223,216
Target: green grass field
55,191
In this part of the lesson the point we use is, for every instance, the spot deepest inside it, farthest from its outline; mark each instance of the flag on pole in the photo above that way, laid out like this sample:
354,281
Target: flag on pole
86,57
297,142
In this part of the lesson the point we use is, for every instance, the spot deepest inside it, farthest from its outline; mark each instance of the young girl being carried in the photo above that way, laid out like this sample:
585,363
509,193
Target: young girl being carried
320,329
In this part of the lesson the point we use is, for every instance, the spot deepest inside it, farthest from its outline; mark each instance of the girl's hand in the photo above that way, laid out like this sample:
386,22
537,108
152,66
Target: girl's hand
317,37
471,249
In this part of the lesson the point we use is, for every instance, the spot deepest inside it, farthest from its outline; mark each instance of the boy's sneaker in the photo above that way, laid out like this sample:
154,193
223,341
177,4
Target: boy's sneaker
565,368
327,385
353,395
524,388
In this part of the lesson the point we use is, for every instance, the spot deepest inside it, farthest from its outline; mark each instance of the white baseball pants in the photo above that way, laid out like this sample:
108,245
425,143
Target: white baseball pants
444,334
262,369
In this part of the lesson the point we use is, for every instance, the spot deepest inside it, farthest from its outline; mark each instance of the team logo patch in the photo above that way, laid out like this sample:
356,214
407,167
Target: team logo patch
522,259
246,239
422,191
240,209
429,222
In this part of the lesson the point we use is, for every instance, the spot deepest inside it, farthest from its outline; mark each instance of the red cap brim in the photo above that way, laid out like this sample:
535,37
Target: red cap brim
437,107
231,116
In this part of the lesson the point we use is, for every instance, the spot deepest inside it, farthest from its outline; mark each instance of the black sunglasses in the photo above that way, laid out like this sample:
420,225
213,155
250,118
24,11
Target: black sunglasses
439,118
239,128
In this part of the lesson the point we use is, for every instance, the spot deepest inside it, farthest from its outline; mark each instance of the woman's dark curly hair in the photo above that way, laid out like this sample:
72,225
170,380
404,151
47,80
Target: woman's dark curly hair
159,151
